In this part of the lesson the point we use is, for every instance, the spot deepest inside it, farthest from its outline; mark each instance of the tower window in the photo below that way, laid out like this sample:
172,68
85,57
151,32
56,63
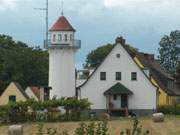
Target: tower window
65,37
133,76
54,38
59,37
102,75
118,75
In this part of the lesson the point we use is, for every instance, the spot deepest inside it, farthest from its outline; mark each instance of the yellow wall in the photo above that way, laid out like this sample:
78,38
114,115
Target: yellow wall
163,98
11,90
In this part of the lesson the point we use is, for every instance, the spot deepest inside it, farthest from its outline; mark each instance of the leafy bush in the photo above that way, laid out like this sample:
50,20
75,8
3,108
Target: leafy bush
94,128
49,131
136,130
170,109
19,111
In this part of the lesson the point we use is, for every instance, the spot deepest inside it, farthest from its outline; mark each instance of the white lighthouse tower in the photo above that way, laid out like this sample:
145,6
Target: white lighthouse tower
62,49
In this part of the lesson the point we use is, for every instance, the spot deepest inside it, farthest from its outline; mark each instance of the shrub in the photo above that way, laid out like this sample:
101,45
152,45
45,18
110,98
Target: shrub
170,109
136,130
18,111
92,128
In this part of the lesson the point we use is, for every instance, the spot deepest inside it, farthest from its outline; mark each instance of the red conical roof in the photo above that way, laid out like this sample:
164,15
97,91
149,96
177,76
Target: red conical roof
62,24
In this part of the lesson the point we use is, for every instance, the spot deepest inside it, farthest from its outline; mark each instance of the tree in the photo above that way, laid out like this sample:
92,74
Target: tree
18,62
95,57
177,76
169,51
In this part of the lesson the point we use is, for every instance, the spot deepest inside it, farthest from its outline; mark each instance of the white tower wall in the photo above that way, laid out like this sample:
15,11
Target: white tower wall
62,72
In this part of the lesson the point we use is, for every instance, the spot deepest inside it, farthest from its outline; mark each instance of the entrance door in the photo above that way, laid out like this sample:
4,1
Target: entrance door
124,101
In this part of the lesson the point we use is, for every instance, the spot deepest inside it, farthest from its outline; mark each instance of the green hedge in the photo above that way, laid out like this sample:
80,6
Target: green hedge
18,111
170,109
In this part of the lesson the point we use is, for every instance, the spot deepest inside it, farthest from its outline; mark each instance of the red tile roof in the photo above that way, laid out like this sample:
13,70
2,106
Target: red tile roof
62,24
36,91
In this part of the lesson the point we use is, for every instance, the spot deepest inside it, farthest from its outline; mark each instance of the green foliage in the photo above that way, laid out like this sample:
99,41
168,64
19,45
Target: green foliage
169,51
99,128
136,130
48,131
170,109
18,62
95,57
82,129
95,128
40,129
18,111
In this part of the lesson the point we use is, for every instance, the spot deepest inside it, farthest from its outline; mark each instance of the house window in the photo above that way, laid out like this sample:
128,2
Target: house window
133,76
102,75
71,37
59,37
12,98
118,55
65,37
54,38
114,97
118,75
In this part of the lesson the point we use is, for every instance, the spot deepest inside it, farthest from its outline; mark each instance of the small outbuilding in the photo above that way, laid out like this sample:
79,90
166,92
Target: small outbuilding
13,93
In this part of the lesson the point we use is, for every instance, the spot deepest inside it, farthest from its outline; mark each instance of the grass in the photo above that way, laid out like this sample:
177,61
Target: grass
169,127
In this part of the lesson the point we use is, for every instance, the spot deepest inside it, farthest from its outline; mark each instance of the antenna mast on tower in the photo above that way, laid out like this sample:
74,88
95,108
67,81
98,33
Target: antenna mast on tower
46,9
62,12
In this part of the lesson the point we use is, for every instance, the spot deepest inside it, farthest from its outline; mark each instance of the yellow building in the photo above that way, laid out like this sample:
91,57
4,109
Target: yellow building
13,93
167,89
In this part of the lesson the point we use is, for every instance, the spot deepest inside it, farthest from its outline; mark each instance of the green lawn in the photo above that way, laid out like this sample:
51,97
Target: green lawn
169,127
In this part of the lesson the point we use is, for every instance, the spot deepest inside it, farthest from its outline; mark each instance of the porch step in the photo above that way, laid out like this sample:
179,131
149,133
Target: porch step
120,112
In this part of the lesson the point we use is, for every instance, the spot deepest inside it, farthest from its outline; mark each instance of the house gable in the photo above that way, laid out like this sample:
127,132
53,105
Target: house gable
14,89
143,89
31,94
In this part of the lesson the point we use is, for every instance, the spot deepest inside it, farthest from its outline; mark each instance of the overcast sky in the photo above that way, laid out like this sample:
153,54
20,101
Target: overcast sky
141,22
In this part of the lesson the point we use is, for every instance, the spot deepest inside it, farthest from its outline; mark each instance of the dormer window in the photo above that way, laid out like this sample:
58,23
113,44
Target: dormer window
65,37
170,84
54,38
59,37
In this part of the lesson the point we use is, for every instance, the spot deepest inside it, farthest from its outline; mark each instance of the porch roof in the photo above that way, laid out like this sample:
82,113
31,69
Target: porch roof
118,89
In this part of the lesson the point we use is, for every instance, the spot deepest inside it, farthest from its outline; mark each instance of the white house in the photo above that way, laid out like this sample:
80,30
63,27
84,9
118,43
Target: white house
118,82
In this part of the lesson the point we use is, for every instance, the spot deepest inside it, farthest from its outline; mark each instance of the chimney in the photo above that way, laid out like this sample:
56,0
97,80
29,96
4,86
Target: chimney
42,94
149,56
120,40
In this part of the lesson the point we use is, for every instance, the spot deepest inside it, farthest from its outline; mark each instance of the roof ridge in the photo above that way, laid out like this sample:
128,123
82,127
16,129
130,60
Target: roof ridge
21,89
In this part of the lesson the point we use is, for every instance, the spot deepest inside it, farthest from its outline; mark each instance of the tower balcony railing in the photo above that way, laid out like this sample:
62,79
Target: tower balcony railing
76,44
